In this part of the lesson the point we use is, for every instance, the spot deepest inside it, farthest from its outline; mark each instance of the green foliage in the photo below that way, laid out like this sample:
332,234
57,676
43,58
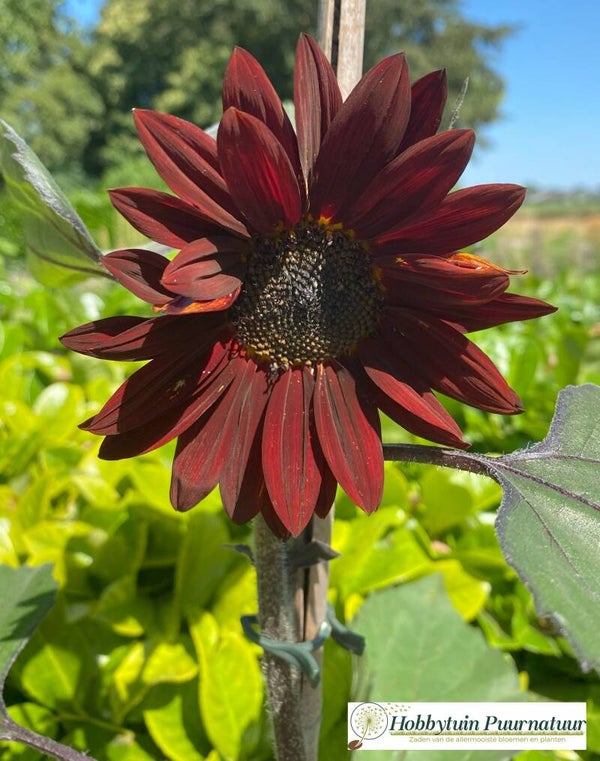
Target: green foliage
146,631
145,635
143,656
419,618
46,92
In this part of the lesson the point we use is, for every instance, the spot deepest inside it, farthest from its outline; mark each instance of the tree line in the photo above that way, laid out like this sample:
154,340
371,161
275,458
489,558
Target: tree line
69,92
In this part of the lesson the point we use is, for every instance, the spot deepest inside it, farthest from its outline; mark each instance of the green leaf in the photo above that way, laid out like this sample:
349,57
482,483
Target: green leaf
61,251
124,609
549,521
123,552
171,714
127,688
56,666
170,662
204,560
27,595
419,649
231,690
375,553
447,502
468,594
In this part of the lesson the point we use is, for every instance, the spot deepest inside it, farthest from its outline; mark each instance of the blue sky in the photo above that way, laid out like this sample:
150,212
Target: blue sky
550,133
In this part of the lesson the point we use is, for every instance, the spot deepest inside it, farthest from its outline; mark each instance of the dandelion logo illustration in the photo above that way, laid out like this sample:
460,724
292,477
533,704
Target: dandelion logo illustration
368,721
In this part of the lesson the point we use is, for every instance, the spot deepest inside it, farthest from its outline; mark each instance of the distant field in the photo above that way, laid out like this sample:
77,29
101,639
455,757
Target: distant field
545,243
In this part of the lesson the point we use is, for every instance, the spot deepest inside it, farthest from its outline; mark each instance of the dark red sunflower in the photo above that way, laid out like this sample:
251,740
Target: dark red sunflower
317,282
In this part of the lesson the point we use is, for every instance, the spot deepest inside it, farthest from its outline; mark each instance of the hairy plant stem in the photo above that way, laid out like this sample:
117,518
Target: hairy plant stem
11,731
446,458
277,620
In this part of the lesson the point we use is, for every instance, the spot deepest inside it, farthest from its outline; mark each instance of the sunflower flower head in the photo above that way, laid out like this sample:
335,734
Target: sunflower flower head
319,279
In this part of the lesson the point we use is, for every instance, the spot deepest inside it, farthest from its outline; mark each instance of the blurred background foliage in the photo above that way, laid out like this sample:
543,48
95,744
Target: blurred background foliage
143,656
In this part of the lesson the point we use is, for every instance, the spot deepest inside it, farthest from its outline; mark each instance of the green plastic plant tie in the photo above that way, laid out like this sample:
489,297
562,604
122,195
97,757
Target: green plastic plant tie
348,639
298,654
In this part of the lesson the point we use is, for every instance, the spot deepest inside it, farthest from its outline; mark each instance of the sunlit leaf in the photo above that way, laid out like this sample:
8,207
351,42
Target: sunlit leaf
171,663
127,688
126,611
171,715
204,559
231,690
57,663
60,249
468,594
376,552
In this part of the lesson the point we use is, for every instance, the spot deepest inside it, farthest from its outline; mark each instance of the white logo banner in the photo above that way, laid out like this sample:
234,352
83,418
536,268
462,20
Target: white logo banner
455,726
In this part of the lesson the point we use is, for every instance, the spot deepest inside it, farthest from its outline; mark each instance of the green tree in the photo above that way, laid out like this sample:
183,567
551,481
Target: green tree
45,89
170,55
434,35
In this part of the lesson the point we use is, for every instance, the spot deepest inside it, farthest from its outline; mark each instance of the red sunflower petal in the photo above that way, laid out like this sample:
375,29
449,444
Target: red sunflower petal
258,172
272,520
450,363
186,158
417,179
349,434
136,338
449,435
365,134
207,269
428,98
252,496
404,397
244,470
247,88
166,382
291,471
463,218
204,449
509,307
169,424
317,99
141,440
328,491
434,282
140,272
101,338
167,219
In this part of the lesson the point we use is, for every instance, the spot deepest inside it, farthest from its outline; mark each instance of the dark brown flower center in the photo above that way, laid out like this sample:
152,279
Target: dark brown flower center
309,294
